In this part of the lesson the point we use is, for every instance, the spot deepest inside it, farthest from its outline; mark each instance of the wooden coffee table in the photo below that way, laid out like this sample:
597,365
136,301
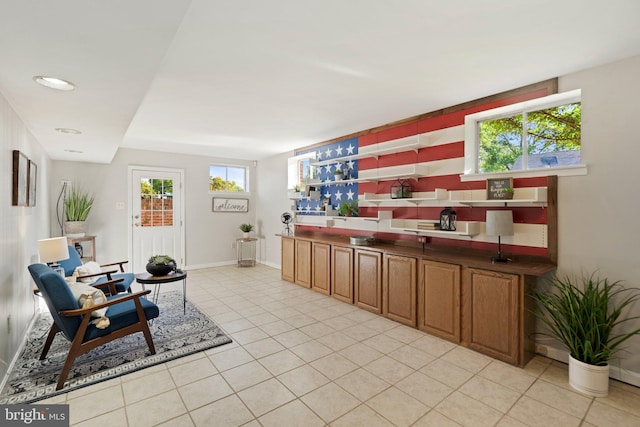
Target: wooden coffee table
148,279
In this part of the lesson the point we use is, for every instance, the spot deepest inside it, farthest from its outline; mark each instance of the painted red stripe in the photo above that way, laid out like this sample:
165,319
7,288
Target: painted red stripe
368,139
398,132
457,117
427,154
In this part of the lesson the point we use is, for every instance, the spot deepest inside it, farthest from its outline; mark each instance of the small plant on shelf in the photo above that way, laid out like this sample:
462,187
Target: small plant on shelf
348,208
507,193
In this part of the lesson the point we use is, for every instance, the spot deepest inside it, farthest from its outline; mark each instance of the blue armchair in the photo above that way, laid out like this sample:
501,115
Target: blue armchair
74,261
127,313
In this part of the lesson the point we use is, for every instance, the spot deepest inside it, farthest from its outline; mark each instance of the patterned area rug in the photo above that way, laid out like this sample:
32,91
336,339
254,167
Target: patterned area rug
174,335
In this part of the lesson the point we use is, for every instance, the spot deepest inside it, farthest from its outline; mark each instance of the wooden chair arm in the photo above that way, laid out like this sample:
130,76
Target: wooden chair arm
108,273
118,263
110,284
125,297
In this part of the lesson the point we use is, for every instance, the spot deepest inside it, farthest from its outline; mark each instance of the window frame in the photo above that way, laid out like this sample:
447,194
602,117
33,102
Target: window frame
227,166
472,138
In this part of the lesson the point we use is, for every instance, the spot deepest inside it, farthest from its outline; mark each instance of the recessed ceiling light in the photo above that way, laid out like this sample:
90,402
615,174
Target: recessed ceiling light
54,83
68,130
74,151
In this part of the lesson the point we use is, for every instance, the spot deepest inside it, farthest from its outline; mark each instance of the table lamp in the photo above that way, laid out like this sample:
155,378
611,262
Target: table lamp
53,250
499,223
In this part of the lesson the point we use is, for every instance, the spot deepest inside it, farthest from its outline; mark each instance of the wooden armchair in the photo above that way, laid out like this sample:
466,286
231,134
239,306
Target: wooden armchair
127,314
74,262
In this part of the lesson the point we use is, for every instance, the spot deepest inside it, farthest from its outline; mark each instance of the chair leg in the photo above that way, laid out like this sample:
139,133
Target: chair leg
68,363
147,336
47,344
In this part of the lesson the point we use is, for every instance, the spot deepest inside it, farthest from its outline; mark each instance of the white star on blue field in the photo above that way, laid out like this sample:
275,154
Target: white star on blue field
336,193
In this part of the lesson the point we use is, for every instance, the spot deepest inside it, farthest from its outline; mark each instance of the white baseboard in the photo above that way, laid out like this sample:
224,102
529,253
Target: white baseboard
20,348
213,264
615,371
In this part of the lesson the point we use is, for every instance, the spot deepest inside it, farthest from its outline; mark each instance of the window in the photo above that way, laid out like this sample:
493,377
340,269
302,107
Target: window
301,170
525,138
156,201
231,179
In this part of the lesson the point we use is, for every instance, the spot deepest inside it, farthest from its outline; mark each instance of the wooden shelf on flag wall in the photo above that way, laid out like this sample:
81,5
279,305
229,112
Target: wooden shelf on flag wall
529,196
464,228
439,196
400,145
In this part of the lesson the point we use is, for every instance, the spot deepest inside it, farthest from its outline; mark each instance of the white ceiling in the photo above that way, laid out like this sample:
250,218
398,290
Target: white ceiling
248,79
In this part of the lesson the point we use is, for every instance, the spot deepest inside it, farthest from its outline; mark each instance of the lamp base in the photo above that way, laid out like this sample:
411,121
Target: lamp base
495,259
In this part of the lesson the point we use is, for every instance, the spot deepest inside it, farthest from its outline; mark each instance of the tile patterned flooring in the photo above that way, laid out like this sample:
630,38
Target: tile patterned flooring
300,358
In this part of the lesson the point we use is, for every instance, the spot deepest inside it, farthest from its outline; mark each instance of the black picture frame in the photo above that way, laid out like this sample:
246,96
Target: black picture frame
20,179
496,186
32,180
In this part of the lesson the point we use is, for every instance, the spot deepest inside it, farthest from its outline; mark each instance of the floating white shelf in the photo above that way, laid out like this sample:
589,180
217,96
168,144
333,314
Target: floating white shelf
382,215
409,143
522,197
439,195
464,228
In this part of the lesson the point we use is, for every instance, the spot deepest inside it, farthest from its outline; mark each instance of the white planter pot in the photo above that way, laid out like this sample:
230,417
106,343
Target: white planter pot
75,228
589,379
246,235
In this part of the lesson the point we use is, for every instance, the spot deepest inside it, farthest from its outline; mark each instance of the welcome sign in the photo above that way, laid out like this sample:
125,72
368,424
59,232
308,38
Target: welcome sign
230,205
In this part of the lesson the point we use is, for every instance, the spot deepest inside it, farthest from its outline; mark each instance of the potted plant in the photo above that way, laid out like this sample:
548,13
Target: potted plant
246,229
161,265
507,193
77,205
586,318
337,175
348,208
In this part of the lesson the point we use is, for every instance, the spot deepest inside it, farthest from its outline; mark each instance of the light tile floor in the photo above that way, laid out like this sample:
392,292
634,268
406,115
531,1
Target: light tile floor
300,358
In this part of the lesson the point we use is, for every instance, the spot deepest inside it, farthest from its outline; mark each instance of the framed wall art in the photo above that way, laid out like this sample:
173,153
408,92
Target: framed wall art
32,186
20,178
496,187
230,205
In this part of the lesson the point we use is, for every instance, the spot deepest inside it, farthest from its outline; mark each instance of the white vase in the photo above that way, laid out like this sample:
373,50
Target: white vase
246,234
75,228
591,380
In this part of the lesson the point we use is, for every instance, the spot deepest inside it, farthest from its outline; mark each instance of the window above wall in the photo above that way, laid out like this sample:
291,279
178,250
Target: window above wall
228,179
526,139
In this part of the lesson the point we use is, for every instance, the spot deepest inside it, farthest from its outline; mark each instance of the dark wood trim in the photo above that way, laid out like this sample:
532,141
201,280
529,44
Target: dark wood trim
551,85
552,219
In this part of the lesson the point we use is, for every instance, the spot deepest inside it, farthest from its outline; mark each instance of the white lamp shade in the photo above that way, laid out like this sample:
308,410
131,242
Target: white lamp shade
53,250
499,223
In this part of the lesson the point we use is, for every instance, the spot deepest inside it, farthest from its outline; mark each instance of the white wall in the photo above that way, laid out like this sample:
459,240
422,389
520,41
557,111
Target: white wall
21,228
209,235
598,224
272,201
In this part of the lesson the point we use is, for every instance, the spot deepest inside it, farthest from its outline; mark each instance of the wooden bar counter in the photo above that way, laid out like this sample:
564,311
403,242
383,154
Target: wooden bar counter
455,294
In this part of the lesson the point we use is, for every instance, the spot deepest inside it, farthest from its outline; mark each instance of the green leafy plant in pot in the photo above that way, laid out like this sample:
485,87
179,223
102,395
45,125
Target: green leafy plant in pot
161,265
348,208
77,205
246,229
586,319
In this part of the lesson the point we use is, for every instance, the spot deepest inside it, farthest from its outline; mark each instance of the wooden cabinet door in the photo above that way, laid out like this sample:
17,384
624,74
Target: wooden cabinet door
287,259
342,273
439,299
303,263
492,314
320,271
368,280
399,289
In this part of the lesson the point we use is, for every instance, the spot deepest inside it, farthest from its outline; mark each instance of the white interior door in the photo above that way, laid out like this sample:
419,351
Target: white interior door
156,215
